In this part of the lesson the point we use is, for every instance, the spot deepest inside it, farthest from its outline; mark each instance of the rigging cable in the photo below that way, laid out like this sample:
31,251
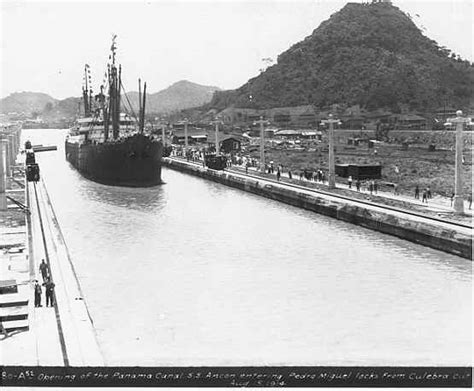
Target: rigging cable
129,103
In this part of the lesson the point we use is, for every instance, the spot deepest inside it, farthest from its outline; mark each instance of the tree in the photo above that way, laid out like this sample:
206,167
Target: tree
48,107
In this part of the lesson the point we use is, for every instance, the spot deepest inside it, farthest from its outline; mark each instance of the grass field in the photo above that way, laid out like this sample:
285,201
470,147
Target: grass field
416,165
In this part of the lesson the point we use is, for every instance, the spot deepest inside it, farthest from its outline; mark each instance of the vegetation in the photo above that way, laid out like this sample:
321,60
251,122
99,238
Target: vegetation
31,102
367,54
179,96
415,165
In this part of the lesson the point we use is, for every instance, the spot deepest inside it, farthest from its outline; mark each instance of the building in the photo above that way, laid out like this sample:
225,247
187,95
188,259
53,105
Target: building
228,143
409,121
195,135
288,134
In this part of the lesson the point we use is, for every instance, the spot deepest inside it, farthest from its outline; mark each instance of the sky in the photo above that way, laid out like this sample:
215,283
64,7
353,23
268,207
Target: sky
45,44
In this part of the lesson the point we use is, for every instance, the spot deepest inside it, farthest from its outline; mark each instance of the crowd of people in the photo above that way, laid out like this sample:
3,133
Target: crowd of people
313,175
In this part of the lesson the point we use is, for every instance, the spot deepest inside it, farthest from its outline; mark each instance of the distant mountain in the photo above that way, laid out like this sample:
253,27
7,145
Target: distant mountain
372,55
180,95
26,102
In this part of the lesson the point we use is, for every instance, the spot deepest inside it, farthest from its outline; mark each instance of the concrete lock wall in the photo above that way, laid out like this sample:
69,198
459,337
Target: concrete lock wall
424,233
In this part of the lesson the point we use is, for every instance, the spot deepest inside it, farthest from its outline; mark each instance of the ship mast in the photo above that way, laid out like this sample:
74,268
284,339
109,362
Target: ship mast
114,92
85,92
141,105
142,110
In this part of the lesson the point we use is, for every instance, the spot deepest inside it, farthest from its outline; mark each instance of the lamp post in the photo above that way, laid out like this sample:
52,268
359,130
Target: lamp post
332,171
3,174
262,122
216,122
7,153
163,128
186,136
163,131
14,151
458,204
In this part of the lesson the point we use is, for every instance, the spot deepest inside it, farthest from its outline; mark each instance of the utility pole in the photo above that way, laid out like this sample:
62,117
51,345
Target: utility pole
163,129
3,174
217,138
185,136
12,153
216,122
332,170
458,197
262,143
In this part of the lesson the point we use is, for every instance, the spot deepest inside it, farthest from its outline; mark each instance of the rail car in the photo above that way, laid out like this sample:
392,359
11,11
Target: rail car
32,168
216,162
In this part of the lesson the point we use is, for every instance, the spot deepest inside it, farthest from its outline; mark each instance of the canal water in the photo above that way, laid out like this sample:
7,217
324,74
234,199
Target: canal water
196,273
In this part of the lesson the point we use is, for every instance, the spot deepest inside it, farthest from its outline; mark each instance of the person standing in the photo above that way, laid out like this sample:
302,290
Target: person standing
451,199
44,270
49,285
358,184
424,196
278,174
37,294
349,181
417,193
289,174
428,192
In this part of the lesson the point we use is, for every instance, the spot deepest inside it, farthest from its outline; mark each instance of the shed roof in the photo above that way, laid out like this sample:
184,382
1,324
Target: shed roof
223,137
288,132
191,132
410,117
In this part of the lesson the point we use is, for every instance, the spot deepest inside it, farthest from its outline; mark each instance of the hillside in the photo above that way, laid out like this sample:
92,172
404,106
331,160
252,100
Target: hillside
25,102
367,54
180,95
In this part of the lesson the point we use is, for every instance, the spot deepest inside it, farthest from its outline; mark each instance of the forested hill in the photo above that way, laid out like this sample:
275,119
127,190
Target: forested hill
367,54
180,95
25,102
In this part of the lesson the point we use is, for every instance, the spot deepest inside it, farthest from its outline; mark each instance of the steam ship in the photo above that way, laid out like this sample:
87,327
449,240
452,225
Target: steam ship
111,147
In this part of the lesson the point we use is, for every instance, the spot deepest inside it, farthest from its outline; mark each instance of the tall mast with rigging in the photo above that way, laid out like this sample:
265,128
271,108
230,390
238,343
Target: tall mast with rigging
142,115
114,92
85,92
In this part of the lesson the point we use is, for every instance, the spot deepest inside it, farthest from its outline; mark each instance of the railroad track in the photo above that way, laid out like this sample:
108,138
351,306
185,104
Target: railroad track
342,197
62,340
369,203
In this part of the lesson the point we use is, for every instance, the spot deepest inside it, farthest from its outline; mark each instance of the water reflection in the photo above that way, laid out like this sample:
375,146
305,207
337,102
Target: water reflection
148,199
210,275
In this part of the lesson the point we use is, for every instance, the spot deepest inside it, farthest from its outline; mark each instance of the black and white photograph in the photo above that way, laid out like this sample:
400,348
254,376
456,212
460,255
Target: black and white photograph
237,193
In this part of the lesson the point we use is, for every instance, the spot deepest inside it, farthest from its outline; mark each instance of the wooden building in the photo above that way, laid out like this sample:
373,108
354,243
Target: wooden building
194,136
228,143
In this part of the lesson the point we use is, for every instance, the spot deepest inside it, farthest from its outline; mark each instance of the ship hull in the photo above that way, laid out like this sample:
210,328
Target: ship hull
134,161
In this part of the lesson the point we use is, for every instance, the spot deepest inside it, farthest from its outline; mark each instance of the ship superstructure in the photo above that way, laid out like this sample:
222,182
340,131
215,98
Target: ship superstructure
109,146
